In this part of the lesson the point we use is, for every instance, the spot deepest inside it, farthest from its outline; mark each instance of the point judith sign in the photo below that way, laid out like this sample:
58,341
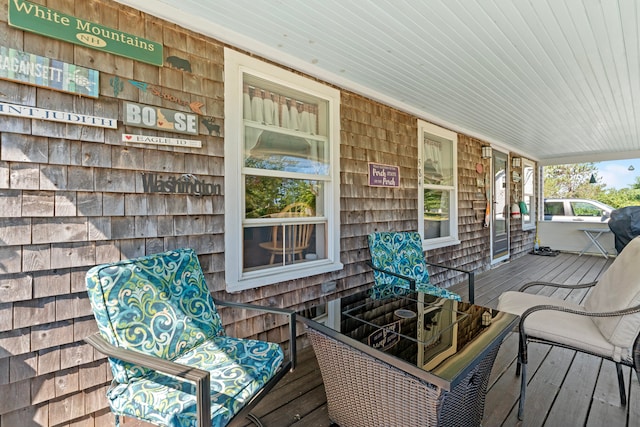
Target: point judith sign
51,23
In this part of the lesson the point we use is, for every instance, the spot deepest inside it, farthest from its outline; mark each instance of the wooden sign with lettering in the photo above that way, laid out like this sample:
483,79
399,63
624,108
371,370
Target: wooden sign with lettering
51,23
56,116
160,140
37,70
151,117
384,175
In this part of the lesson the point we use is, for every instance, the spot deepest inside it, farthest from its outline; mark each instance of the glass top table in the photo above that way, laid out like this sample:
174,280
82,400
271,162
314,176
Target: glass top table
435,339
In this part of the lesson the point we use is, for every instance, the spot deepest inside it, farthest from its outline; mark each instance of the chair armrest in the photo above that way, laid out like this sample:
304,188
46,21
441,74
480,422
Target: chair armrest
412,282
274,310
535,308
198,376
615,313
557,285
471,276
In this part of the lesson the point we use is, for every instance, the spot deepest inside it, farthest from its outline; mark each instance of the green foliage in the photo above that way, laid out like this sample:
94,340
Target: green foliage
572,181
620,198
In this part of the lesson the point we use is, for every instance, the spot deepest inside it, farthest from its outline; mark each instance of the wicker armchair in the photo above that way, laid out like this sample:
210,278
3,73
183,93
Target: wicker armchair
607,325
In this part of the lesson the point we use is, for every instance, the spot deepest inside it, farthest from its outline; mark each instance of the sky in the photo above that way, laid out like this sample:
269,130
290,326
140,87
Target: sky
616,174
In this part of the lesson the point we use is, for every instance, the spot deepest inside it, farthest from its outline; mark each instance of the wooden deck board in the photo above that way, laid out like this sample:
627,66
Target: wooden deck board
572,404
565,388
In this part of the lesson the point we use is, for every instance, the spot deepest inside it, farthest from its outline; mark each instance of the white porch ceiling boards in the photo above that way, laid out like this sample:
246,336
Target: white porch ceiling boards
556,80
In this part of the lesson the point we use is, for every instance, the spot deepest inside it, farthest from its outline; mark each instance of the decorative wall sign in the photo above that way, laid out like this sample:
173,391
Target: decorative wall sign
186,184
56,116
195,106
159,140
40,71
151,117
116,84
179,63
384,175
210,125
51,23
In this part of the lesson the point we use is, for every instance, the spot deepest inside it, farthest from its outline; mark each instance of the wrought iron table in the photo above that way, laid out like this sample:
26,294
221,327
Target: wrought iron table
392,357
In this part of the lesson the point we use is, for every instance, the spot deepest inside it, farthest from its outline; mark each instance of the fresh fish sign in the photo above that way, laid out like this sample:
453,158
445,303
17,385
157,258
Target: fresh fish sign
39,71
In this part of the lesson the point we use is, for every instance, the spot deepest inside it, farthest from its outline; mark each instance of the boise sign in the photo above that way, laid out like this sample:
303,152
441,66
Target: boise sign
51,23
147,116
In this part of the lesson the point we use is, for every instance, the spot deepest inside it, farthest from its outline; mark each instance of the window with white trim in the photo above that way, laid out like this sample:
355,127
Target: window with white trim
528,195
281,174
437,185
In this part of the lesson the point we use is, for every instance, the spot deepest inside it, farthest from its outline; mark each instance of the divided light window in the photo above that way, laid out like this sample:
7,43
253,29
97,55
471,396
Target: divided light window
281,174
438,185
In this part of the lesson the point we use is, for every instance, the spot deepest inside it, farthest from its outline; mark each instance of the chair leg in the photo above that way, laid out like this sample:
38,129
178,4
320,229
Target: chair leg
523,390
255,420
521,369
623,393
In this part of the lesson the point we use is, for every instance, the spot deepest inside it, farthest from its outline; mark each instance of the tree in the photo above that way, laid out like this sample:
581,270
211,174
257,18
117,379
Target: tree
572,181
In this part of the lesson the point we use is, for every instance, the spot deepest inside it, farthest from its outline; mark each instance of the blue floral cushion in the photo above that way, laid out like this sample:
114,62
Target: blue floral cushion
238,367
160,305
401,253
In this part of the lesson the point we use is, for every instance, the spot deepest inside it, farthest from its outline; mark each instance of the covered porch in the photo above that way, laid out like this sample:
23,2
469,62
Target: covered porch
569,388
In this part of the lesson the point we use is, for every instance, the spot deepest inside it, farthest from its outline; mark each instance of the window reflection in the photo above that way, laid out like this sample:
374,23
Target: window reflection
275,151
436,213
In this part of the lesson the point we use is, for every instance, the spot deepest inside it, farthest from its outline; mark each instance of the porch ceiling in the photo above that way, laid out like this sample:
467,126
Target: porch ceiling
558,81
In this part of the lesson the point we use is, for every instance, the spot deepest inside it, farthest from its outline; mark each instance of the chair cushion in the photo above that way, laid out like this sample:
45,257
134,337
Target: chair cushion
238,367
390,291
158,305
619,288
401,253
571,329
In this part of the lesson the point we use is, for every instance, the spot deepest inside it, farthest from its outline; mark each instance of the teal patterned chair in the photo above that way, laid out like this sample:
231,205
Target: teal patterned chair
398,261
172,363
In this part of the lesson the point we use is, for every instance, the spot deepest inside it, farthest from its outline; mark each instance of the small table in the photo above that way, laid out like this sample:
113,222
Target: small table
395,357
594,234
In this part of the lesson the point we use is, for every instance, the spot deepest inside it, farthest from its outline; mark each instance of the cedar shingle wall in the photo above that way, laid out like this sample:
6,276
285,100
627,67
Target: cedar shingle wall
71,197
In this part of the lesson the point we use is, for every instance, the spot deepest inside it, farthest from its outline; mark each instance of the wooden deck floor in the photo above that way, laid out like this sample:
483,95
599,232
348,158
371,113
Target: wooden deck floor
565,388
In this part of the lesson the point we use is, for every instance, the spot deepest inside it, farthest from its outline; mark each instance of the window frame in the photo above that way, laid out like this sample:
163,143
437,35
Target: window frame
531,223
236,66
452,238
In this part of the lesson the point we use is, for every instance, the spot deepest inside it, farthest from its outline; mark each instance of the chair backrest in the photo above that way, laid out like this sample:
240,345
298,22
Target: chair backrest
398,252
157,304
295,210
297,237
619,288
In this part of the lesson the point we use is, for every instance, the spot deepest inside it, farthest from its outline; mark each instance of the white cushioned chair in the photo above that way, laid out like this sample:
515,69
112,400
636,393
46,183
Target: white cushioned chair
607,324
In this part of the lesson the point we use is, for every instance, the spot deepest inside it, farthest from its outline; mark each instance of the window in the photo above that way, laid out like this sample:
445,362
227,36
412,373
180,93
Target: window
438,182
528,195
585,209
281,174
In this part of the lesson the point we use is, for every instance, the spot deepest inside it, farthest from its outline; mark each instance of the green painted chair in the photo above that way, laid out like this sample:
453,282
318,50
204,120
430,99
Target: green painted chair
172,363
